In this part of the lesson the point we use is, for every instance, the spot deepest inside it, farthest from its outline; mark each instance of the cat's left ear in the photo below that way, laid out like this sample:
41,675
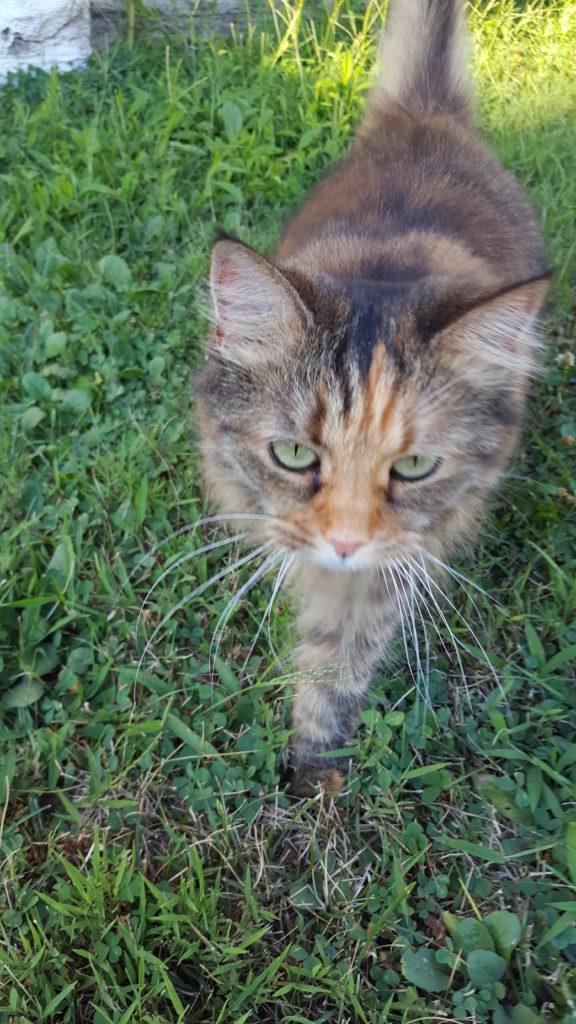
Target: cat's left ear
497,334
257,312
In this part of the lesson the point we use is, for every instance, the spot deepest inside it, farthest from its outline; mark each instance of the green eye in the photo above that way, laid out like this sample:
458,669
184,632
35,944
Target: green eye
414,467
293,456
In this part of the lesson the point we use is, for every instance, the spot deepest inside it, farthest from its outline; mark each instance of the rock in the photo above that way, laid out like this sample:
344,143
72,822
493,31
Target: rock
61,33
44,34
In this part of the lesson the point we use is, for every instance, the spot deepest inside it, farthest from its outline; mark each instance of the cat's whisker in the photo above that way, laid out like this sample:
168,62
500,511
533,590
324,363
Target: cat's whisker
429,611
416,598
181,561
396,601
194,593
234,601
411,623
437,608
431,582
410,620
458,576
462,582
402,608
206,521
287,564
411,595
426,581
292,559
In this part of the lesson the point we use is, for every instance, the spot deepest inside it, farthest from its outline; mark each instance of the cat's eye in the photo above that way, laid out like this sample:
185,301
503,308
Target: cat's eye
294,456
414,467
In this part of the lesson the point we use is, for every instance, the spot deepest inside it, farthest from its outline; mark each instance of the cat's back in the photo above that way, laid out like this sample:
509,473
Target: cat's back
420,193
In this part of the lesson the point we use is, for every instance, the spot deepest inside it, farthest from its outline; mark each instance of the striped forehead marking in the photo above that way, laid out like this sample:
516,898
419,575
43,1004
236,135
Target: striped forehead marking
366,328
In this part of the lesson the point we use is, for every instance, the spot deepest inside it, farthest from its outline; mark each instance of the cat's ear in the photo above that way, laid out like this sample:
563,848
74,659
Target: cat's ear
497,334
257,312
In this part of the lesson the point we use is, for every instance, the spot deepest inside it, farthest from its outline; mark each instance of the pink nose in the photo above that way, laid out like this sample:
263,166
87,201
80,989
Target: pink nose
345,548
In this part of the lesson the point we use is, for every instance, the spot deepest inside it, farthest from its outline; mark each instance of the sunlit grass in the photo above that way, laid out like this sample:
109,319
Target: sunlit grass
153,868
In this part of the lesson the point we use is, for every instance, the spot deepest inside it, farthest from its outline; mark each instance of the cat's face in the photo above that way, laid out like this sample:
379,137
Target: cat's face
334,411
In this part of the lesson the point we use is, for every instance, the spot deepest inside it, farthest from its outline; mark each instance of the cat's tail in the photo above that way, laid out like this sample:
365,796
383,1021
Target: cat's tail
424,56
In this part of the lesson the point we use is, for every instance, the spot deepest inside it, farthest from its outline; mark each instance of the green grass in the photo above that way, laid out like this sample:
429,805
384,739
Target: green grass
153,869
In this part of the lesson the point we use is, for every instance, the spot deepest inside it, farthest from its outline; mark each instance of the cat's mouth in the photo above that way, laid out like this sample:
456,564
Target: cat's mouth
330,553
327,557
345,553
351,558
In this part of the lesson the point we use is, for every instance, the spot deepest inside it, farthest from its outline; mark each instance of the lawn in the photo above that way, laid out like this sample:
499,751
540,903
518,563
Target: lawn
153,868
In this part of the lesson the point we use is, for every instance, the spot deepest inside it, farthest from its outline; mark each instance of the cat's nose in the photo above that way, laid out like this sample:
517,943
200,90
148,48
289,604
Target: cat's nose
345,548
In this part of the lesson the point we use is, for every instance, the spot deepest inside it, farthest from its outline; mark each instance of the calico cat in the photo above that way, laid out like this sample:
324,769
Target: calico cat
364,389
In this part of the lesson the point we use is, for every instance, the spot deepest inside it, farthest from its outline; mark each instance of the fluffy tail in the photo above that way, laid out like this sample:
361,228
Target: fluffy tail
424,58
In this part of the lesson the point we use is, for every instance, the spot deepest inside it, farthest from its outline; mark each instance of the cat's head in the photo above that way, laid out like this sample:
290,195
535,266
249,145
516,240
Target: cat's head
367,419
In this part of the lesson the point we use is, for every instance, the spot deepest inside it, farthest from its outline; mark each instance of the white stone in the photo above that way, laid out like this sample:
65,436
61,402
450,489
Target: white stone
57,33
44,34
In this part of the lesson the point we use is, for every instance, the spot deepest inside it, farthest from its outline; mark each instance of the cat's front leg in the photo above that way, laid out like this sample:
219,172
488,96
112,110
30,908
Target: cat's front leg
346,624
327,703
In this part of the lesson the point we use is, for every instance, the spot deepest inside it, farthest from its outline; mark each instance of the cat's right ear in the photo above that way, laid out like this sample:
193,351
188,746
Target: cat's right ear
257,312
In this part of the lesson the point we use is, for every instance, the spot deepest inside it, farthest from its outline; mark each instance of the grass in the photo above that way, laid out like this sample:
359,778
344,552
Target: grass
153,868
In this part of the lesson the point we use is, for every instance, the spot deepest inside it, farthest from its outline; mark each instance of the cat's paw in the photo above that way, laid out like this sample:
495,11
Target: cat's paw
308,779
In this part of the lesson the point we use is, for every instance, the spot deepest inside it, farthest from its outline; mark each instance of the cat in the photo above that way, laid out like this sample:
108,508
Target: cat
364,389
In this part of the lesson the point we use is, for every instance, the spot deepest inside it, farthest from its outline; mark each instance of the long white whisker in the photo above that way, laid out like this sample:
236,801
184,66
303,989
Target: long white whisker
462,582
440,611
415,595
455,574
234,601
412,597
432,583
181,561
283,570
402,609
456,643
484,653
429,611
194,593
429,608
402,595
221,518
411,623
